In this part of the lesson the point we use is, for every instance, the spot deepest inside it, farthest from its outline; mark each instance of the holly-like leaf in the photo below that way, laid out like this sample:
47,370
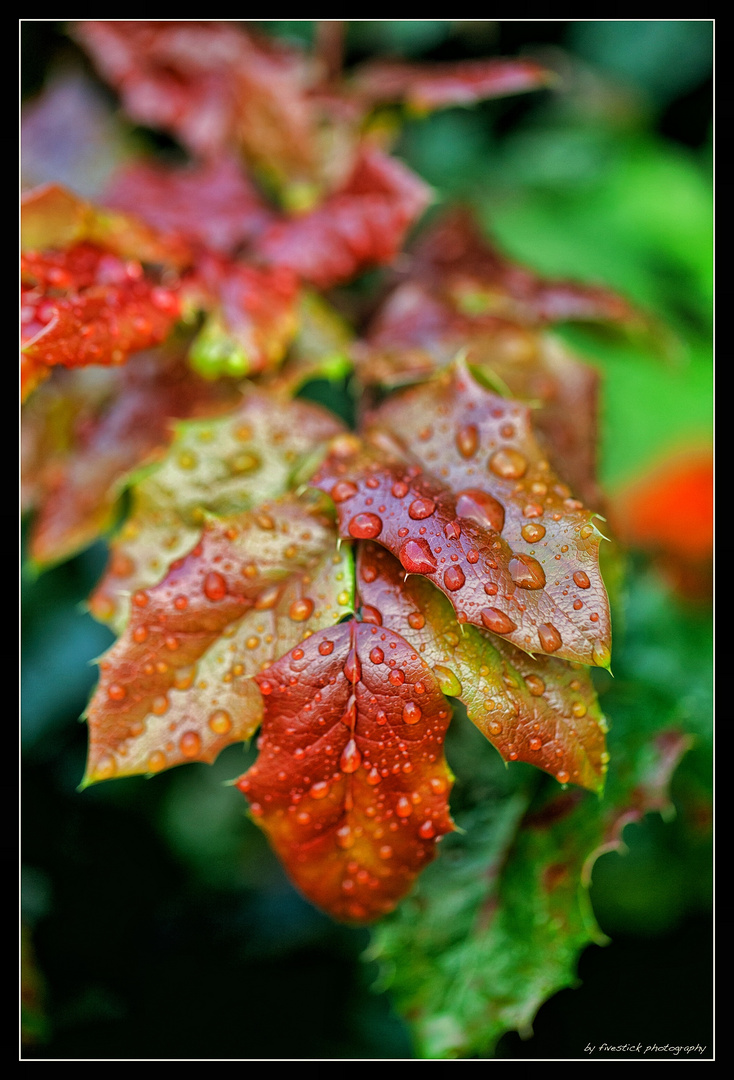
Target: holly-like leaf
84,431
213,204
361,225
535,709
424,87
221,466
351,785
452,481
177,684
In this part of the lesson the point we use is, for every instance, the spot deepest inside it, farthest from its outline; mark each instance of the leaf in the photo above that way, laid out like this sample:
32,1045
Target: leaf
350,784
489,524
257,452
481,945
177,684
213,204
251,316
424,87
540,710
84,431
363,224
320,349
211,84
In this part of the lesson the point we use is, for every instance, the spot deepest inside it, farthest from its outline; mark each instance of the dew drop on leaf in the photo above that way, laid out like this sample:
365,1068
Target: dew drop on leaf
417,557
351,758
581,579
454,578
497,621
301,609
343,490
421,508
220,722
215,587
527,572
189,744
532,532
467,440
481,507
365,526
508,464
549,637
448,681
411,712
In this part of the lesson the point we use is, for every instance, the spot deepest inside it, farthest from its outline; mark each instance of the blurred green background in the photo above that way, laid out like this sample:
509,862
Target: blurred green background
159,924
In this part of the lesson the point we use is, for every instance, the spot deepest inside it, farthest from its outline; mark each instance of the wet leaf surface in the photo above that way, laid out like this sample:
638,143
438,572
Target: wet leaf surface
350,784
540,710
176,686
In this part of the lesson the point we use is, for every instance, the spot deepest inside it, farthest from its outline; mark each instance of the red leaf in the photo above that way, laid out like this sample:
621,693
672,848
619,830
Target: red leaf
100,311
535,709
213,204
474,506
434,86
351,785
361,225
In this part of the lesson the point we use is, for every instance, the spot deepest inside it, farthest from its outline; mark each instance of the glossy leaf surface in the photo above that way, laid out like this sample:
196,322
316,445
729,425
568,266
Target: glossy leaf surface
351,785
535,709
222,466
176,685
454,484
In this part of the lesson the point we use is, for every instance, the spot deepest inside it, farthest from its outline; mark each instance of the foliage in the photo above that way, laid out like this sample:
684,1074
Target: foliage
271,569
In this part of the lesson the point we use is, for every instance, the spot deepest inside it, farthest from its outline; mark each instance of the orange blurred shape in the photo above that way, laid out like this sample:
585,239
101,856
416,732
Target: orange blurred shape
670,512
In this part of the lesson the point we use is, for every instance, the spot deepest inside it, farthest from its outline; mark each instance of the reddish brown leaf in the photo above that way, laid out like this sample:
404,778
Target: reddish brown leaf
351,785
210,84
361,225
434,86
240,563
213,204
85,430
474,506
535,709
263,448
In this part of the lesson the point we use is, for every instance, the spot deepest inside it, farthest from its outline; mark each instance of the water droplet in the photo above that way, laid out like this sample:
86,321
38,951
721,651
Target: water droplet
189,744
586,531
427,830
396,677
578,709
298,654
508,463
265,687
264,521
417,557
481,507
159,705
343,490
577,605
495,727
536,743
326,648
563,777
385,852
535,685
181,603
140,633
187,460
351,758
404,807
244,463
532,532
527,572
421,508
156,761
438,785
467,440
365,526
452,530
140,599
581,579
302,609
215,587
220,722
453,578
604,757
411,712
116,692
303,817
373,777
400,489
416,620
497,621
377,655
345,839
549,637
447,681
319,790
105,767
380,717
268,598
371,615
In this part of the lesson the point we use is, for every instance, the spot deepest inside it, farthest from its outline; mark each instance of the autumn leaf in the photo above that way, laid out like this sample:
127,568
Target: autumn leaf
84,431
363,224
451,480
424,87
258,451
213,204
177,685
351,785
535,709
